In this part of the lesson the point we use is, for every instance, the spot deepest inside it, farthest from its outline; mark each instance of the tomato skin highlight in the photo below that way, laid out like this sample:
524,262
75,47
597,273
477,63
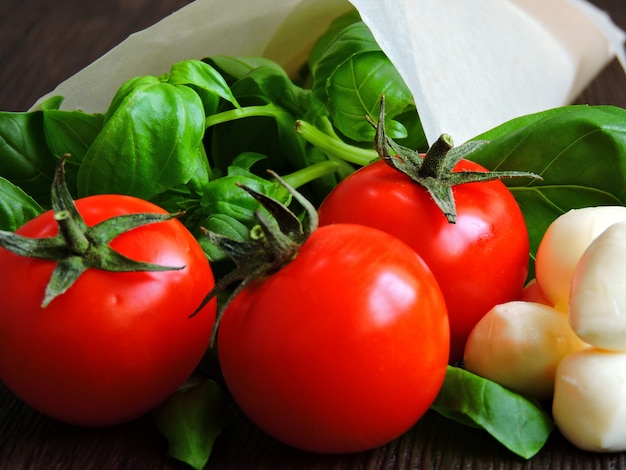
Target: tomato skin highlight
115,345
479,262
342,350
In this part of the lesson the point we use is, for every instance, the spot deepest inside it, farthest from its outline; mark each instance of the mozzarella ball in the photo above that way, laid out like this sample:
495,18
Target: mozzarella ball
563,244
519,345
589,405
598,295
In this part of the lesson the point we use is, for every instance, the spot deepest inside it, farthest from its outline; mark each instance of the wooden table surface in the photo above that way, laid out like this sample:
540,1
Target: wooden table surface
44,42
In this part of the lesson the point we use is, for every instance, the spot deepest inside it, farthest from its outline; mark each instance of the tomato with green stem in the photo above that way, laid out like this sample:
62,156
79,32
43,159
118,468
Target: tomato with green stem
336,340
96,295
457,216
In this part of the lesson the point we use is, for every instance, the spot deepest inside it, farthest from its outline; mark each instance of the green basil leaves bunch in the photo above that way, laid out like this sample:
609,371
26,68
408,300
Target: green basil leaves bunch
185,138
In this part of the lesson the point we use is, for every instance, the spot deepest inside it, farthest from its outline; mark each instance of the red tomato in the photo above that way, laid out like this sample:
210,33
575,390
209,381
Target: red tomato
533,293
115,344
479,262
343,349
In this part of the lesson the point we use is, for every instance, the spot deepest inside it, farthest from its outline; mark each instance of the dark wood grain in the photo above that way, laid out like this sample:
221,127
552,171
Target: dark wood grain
44,42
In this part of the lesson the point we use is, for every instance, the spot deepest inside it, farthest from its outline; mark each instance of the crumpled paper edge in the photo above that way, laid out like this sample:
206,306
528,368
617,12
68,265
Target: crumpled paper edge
285,31
197,30
614,34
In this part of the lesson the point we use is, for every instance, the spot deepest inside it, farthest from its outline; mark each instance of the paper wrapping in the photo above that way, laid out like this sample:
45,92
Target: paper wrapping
470,65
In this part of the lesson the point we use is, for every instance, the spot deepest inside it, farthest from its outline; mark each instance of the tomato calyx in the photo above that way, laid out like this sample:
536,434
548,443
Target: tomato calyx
78,247
434,170
274,242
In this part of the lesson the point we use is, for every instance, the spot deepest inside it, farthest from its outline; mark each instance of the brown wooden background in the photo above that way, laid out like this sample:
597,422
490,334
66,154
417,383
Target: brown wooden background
44,42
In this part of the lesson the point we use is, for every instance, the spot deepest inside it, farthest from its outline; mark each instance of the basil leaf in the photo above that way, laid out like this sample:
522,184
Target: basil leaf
25,159
234,68
335,29
519,423
224,196
16,207
354,39
204,80
201,171
580,151
150,141
70,132
354,90
225,225
349,77
191,420
231,209
264,79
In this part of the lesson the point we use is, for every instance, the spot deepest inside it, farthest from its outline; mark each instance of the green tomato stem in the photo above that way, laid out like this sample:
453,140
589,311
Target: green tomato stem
73,233
334,146
78,247
435,171
272,245
434,162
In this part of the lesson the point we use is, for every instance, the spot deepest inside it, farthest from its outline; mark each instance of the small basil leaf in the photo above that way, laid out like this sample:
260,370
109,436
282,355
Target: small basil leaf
517,422
273,84
225,197
264,79
335,29
224,225
230,208
244,162
350,73
201,172
70,131
234,68
205,80
259,81
25,159
16,207
354,39
354,90
191,420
